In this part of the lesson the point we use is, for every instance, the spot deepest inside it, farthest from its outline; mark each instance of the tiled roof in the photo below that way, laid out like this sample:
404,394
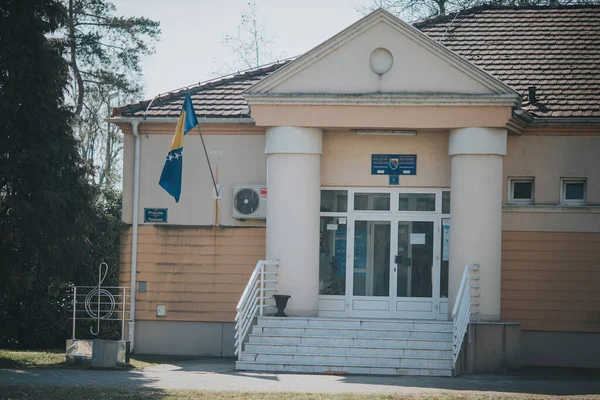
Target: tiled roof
556,49
219,98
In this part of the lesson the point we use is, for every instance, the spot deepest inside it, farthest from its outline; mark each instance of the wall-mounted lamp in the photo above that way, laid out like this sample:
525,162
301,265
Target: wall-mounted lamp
380,132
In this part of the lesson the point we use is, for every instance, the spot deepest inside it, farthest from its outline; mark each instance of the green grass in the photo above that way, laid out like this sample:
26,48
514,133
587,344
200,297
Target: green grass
95,393
56,359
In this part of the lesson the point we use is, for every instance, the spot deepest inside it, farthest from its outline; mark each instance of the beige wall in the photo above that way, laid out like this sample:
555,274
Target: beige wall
547,219
551,280
549,158
346,159
198,273
239,158
128,163
381,116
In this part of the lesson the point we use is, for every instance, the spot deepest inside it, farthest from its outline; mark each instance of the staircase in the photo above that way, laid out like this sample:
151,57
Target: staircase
352,346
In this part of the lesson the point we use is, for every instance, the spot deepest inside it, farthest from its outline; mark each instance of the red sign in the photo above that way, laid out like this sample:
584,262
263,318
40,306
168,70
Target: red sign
263,193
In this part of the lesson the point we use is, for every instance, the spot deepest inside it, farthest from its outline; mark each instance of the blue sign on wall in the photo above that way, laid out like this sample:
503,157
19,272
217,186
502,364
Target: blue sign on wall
155,215
393,164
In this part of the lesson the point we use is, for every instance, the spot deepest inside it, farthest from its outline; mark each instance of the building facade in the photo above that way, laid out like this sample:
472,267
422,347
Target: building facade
383,162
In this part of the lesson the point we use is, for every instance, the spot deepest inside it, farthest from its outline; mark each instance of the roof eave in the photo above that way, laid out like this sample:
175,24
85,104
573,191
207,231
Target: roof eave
565,121
173,120
384,99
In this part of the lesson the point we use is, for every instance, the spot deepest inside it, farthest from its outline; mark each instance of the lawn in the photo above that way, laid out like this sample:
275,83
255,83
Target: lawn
56,359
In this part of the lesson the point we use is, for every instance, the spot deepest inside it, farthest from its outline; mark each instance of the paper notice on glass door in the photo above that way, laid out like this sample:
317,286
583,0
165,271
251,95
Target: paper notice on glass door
417,238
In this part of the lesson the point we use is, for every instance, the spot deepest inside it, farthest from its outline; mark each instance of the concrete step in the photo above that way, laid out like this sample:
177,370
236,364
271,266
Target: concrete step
354,333
346,351
321,369
340,323
352,361
332,341
353,346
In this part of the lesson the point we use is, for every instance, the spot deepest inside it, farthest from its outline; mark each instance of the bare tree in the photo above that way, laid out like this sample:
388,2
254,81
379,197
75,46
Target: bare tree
100,142
412,10
251,45
104,53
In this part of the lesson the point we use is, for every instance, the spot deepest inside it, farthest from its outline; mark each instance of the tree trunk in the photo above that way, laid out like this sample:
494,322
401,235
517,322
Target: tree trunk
73,49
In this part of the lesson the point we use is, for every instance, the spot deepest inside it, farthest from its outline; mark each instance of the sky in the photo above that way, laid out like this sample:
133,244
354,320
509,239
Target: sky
191,48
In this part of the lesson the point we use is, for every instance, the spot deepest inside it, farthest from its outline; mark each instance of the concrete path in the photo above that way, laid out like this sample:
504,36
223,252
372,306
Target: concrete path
219,375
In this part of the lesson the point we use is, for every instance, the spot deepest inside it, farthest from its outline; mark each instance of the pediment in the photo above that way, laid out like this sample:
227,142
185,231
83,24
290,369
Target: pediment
344,65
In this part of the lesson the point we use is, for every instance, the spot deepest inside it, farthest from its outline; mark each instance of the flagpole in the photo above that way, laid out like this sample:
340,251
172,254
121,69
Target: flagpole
217,199
208,161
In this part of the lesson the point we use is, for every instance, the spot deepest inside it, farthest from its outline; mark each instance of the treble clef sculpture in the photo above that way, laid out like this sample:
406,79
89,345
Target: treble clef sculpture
98,292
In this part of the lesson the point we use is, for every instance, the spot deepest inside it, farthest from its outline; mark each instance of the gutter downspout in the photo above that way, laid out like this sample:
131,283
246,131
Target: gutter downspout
134,235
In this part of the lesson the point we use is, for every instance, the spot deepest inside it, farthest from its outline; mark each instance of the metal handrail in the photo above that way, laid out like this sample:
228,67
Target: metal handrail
461,313
253,300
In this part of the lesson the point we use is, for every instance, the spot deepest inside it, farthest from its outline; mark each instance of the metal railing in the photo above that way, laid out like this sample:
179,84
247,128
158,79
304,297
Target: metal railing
261,285
466,304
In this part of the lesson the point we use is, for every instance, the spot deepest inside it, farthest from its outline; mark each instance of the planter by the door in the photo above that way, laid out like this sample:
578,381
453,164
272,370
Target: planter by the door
281,303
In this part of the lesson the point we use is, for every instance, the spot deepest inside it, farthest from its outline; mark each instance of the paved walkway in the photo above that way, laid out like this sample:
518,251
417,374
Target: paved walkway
219,375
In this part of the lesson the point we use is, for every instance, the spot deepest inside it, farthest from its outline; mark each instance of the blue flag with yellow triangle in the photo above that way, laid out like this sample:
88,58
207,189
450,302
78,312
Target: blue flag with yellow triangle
170,179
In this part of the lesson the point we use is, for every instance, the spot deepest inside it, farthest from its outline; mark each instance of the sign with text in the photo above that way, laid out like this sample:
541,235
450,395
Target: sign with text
155,215
393,164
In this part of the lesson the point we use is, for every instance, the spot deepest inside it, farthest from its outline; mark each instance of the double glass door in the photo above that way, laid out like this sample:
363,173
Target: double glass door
394,268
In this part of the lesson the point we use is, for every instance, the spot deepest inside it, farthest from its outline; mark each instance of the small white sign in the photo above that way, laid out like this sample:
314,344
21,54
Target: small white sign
417,238
342,221
332,227
161,310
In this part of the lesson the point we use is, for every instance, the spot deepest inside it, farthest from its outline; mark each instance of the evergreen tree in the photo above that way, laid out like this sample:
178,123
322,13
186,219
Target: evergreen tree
46,203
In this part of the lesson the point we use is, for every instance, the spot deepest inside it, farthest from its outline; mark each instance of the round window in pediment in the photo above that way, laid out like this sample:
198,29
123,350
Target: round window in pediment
381,61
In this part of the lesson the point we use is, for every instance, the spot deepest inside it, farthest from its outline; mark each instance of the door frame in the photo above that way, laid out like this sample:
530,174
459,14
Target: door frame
343,305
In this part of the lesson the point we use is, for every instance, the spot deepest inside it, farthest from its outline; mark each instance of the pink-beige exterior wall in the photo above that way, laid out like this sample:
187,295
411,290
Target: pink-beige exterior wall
550,254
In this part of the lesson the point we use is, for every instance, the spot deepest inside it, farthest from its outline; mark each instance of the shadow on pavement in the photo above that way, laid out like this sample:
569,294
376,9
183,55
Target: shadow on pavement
219,374
540,381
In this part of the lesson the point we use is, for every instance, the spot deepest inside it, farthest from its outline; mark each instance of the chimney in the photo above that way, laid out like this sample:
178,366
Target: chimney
532,96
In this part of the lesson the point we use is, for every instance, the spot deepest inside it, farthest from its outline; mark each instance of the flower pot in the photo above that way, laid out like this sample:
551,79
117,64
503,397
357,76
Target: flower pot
281,302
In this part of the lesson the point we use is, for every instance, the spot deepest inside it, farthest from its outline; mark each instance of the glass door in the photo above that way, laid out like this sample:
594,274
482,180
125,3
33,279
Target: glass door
394,271
370,276
416,270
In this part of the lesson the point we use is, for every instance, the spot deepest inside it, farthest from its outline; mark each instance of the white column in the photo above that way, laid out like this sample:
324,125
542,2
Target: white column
294,186
476,212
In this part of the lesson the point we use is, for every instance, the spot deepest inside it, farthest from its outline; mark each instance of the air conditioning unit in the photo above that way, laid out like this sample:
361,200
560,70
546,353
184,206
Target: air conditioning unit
249,202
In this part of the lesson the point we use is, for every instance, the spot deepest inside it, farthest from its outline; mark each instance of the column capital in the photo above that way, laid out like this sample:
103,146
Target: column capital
294,139
490,141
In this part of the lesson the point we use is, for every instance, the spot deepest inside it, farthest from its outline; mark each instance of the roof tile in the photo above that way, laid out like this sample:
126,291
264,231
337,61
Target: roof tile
555,49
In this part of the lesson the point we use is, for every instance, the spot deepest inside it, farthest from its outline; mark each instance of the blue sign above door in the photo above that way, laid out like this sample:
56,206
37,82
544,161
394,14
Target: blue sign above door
393,164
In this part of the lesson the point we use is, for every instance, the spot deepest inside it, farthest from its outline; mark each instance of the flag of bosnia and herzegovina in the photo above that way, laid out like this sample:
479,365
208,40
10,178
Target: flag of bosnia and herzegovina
170,179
